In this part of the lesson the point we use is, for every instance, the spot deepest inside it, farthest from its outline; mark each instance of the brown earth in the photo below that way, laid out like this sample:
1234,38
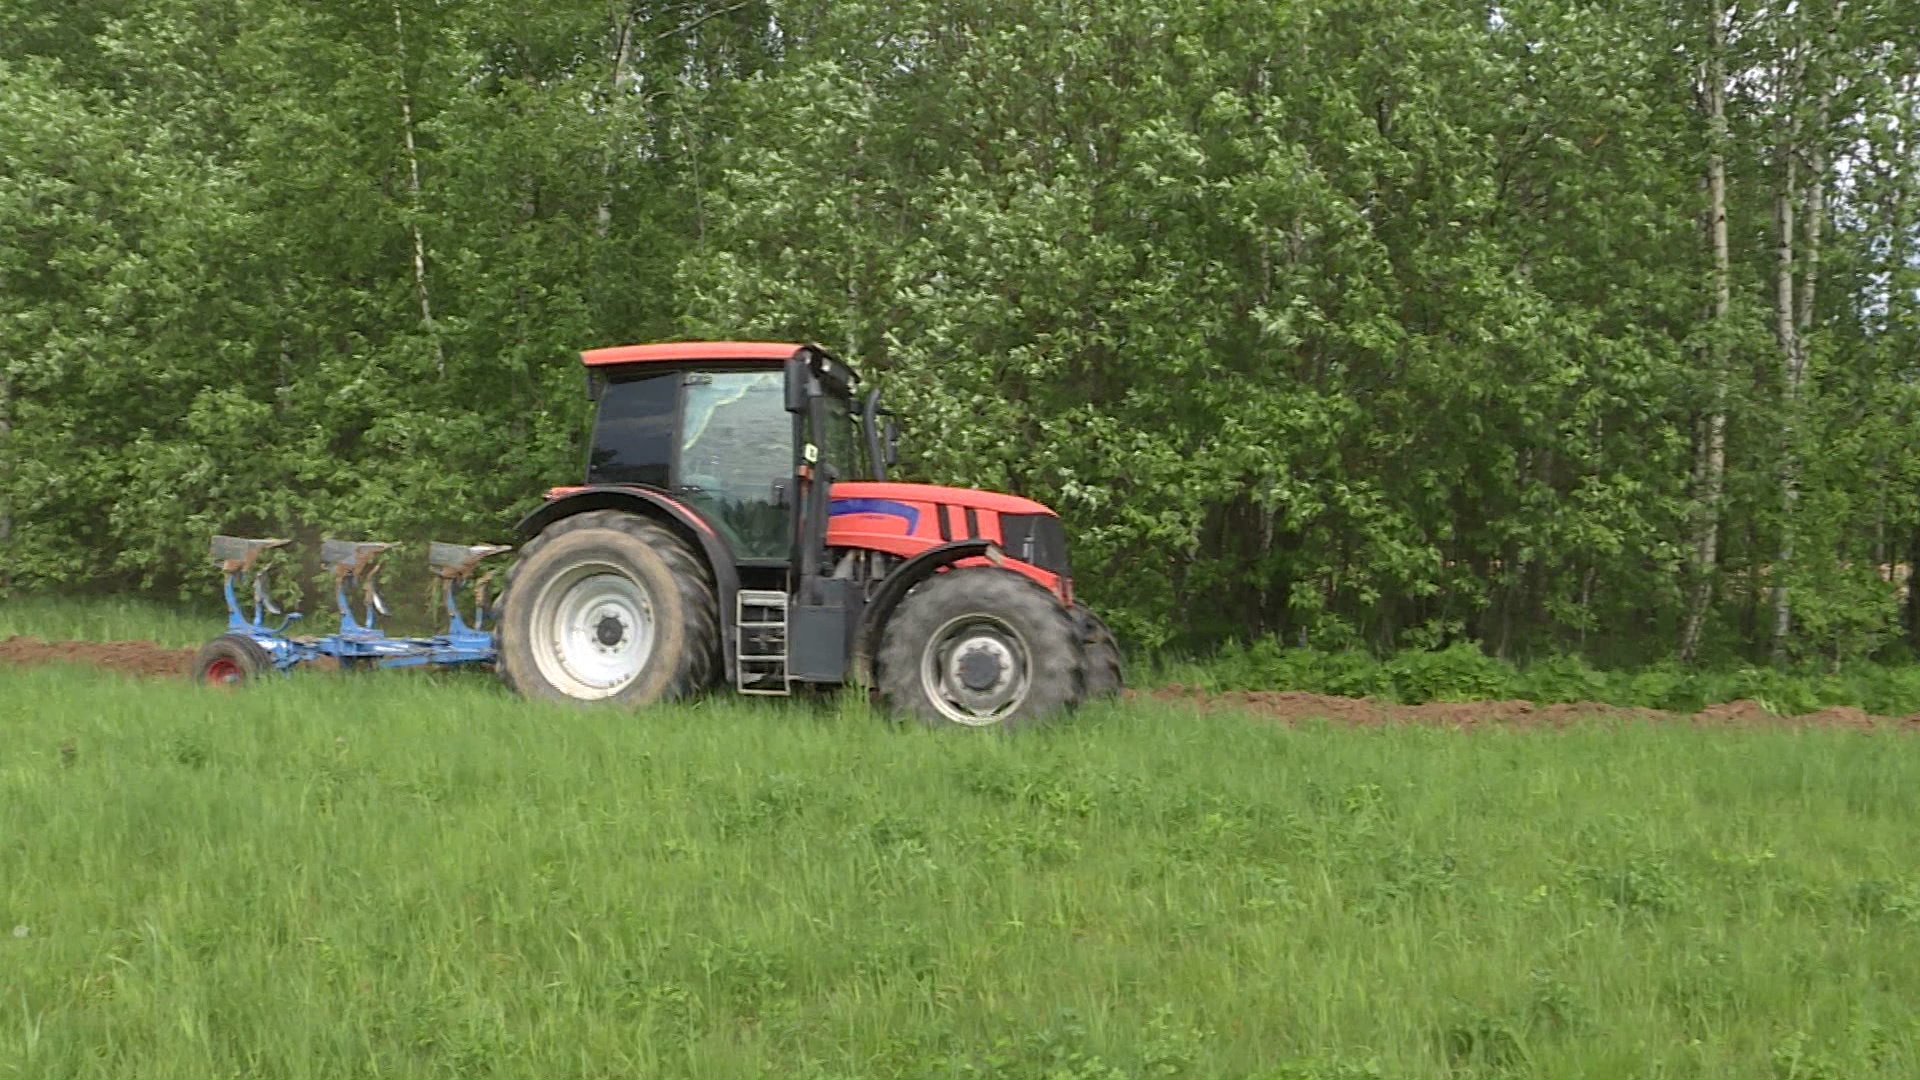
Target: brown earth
127,657
145,658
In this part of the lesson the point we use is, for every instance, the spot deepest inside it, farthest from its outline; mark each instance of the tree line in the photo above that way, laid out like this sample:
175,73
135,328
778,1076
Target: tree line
1560,326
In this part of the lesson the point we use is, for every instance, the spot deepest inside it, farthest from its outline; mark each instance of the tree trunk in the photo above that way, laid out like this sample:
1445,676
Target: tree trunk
1816,205
855,259
1913,588
1795,315
1792,349
1586,604
622,52
1711,466
1900,294
6,480
1816,217
421,291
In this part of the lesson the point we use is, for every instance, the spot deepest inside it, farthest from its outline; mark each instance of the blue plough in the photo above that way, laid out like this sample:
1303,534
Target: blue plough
359,642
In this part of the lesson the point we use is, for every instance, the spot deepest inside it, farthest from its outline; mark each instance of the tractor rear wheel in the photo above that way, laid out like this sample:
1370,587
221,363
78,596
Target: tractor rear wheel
230,660
980,648
608,606
1105,675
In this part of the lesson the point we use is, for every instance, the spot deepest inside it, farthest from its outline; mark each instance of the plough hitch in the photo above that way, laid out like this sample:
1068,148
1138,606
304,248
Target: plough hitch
360,642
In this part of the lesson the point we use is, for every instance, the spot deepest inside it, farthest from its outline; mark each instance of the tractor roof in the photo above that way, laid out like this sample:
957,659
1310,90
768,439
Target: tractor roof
669,351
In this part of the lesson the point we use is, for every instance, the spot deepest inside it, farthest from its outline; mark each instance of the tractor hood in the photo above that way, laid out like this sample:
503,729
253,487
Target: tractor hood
906,519
960,498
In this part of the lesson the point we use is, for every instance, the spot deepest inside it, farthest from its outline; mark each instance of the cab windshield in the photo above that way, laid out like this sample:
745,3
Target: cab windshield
736,453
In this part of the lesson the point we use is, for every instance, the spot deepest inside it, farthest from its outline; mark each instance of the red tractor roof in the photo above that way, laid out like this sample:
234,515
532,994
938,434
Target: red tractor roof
689,350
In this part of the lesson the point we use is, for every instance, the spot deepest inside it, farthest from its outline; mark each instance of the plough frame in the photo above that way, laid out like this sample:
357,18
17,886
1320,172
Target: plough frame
360,642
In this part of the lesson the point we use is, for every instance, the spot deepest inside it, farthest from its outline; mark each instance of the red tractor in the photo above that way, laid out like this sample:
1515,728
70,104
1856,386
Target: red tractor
724,532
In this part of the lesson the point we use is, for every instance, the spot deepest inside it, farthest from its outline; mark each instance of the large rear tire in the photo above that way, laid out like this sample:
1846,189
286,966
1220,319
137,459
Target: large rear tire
608,606
980,648
230,660
1106,676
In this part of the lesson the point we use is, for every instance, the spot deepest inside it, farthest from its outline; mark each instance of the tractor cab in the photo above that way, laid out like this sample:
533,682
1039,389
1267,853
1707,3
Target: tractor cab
725,428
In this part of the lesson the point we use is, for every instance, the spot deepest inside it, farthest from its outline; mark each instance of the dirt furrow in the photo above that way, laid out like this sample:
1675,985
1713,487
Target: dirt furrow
126,657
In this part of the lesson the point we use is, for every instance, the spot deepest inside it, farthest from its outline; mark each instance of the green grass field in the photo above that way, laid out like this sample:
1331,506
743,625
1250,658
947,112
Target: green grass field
416,875
110,619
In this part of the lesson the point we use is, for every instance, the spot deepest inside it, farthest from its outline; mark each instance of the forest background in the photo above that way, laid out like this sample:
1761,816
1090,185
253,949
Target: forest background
1556,327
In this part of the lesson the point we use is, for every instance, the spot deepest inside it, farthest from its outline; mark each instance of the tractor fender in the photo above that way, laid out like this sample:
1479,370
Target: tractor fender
895,588
676,516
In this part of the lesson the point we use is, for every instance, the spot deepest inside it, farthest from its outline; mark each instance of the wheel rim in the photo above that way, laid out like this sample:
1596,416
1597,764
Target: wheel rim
976,670
593,630
224,672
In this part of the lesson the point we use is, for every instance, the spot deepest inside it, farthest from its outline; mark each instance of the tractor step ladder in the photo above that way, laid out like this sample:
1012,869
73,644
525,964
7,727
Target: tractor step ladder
760,629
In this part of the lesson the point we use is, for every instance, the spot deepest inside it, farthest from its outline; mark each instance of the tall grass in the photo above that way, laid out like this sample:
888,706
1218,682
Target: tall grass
422,876
109,619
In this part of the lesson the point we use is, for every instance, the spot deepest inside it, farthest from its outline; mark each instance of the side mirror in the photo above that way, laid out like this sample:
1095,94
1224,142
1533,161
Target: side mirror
893,444
799,383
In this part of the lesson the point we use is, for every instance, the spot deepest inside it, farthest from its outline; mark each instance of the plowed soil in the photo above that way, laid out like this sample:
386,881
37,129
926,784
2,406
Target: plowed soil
127,657
145,658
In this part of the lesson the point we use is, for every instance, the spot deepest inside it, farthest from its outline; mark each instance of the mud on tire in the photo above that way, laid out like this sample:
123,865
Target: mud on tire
980,648
609,606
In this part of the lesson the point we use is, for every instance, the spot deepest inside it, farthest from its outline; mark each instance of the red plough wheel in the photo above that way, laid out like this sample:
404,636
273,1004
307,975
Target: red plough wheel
230,660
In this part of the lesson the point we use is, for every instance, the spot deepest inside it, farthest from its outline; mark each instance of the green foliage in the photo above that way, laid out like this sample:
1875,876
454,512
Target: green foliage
1360,324
421,876
1373,348
1464,673
211,313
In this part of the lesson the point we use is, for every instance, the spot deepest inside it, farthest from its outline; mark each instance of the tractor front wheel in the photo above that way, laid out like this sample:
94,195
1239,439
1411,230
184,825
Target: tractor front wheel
980,648
230,660
608,606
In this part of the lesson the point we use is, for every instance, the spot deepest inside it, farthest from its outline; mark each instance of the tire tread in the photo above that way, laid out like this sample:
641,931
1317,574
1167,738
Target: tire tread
1106,674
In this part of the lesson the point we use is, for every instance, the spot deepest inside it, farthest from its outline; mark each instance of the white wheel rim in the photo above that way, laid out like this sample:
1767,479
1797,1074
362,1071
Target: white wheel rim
593,631
976,670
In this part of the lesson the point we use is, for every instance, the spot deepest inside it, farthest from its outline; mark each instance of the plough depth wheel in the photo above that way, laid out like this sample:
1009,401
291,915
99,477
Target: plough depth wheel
230,660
